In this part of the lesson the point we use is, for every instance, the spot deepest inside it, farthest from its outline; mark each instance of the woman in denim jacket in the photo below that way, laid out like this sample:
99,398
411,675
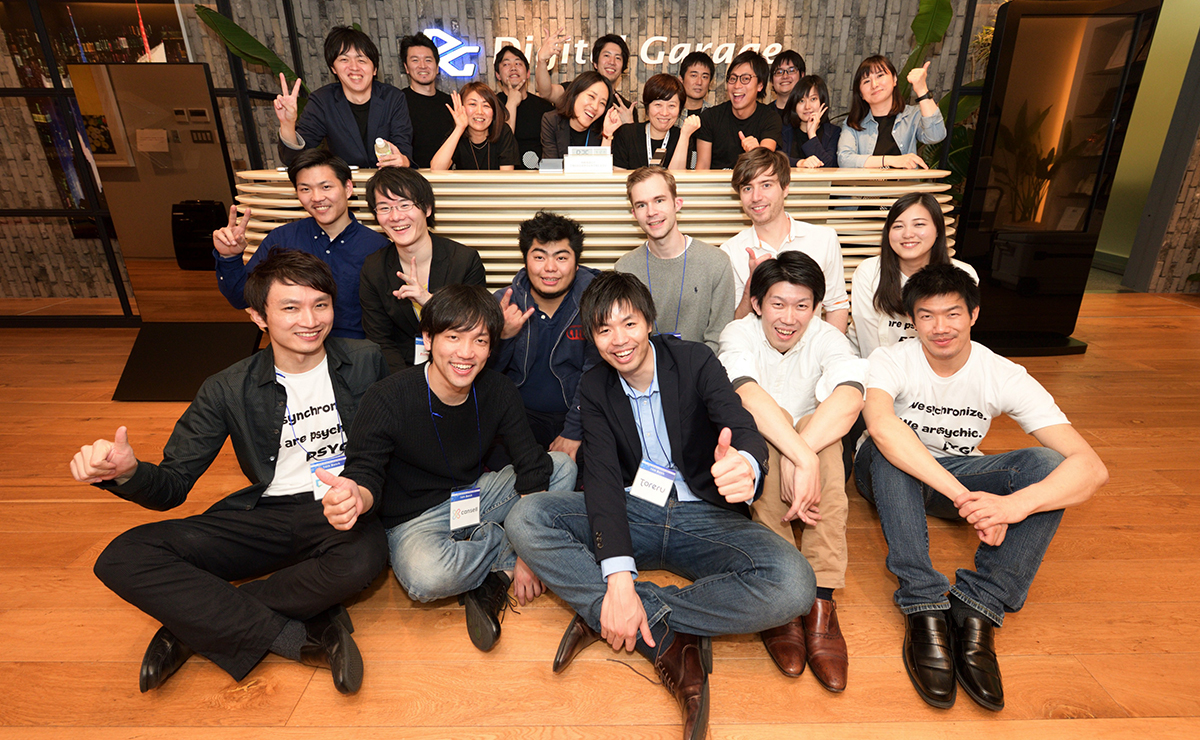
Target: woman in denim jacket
876,99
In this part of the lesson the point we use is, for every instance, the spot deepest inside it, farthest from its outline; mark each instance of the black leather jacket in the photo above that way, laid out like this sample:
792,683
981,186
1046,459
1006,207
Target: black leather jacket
245,403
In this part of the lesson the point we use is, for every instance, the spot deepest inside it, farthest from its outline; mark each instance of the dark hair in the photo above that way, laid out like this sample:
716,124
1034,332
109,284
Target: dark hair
566,107
793,267
610,289
611,38
642,174
499,112
858,107
935,280
662,87
319,158
417,39
751,164
697,57
789,55
342,38
509,49
402,182
757,63
462,308
801,91
546,227
290,267
888,298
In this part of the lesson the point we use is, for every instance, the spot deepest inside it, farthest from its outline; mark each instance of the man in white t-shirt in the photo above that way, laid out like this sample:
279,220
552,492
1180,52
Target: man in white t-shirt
286,410
761,179
929,404
803,384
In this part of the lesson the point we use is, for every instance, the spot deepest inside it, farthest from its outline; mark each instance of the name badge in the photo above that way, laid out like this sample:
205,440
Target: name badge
464,508
652,483
332,465
420,354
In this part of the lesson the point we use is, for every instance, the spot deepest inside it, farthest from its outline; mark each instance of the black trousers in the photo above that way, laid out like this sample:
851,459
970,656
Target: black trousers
179,572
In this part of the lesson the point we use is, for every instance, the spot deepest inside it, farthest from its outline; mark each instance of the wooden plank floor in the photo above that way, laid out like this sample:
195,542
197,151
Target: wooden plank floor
1105,648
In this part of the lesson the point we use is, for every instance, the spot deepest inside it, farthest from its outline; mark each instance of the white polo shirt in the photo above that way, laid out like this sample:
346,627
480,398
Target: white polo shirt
799,379
819,242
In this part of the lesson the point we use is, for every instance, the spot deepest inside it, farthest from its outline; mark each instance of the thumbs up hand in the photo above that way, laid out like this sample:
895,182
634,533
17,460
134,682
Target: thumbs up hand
343,501
104,460
732,472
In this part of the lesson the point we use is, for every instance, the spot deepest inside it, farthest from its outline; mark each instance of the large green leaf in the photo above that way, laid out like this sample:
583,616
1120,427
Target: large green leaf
245,46
932,21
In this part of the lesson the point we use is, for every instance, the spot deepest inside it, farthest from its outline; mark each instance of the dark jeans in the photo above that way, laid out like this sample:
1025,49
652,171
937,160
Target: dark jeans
1003,574
179,571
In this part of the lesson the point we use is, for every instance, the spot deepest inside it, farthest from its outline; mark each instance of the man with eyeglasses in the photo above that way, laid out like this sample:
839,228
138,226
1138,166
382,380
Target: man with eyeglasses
786,71
399,279
741,123
330,233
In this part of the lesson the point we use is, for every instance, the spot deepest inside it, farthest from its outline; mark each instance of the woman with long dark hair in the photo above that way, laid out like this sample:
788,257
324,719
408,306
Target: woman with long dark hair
880,130
480,139
914,236
809,139
579,119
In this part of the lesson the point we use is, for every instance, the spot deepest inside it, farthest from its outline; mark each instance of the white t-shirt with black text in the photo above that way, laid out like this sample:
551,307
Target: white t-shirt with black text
871,328
952,415
312,429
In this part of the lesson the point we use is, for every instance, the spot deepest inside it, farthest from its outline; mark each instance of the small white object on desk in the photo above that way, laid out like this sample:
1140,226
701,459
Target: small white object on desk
589,160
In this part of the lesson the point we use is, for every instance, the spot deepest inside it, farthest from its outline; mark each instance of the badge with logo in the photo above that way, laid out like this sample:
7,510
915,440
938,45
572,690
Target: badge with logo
653,483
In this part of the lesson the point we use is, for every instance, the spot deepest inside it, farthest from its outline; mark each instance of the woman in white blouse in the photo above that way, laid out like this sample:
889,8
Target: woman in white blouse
914,235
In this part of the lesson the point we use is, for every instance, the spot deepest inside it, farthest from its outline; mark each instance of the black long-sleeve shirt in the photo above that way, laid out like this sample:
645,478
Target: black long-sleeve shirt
394,449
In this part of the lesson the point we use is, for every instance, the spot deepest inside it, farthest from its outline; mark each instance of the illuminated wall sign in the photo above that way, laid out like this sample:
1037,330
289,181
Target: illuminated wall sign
654,51
451,53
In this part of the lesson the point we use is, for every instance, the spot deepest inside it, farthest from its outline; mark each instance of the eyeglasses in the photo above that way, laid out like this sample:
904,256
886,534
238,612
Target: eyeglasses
741,79
402,207
784,72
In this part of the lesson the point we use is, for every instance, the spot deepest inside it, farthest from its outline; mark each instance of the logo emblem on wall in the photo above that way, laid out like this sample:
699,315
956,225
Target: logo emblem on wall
451,51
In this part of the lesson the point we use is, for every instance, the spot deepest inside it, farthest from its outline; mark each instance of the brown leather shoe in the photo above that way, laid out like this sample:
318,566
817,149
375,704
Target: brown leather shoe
826,646
681,668
577,637
786,646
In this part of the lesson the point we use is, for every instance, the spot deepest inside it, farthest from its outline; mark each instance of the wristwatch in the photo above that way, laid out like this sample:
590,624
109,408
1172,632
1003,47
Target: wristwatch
927,96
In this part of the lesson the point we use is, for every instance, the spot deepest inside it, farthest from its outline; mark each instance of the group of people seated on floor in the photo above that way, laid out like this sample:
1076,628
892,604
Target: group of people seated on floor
372,124
685,412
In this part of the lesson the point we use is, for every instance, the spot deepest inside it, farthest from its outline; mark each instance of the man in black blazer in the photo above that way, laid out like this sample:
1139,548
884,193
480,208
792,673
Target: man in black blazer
348,115
673,461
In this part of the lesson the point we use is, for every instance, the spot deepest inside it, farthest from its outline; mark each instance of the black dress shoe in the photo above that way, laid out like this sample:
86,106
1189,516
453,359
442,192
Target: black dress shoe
577,637
929,659
484,607
164,655
329,645
975,662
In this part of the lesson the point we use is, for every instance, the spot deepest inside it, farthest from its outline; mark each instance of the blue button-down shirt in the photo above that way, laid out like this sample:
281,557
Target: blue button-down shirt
656,447
344,254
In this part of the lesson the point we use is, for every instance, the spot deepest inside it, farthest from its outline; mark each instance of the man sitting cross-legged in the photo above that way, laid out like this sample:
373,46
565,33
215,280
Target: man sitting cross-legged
673,460
416,457
286,409
929,403
803,383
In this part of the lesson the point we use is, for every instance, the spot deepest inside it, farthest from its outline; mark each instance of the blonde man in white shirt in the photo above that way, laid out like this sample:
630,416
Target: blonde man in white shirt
761,179
801,380
929,404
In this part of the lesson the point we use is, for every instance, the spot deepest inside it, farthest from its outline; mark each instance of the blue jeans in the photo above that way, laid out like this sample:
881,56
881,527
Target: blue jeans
745,578
1002,575
432,562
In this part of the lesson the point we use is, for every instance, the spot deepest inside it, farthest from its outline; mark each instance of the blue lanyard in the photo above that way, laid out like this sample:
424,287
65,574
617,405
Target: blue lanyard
661,446
287,414
433,419
682,277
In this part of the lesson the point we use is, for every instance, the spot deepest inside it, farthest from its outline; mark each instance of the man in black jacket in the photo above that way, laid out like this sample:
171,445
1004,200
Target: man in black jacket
287,409
673,460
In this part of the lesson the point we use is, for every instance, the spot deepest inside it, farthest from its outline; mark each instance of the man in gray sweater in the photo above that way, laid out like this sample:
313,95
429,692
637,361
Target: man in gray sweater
692,282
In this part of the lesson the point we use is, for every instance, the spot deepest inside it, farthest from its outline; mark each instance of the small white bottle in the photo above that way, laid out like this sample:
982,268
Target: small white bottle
381,149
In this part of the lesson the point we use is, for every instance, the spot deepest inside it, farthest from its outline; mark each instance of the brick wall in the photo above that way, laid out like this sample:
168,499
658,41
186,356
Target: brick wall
1180,253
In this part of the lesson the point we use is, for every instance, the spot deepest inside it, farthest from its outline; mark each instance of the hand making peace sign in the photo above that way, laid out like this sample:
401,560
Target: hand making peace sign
230,241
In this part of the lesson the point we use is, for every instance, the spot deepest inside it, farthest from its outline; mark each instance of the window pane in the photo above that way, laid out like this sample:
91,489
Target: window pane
37,167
